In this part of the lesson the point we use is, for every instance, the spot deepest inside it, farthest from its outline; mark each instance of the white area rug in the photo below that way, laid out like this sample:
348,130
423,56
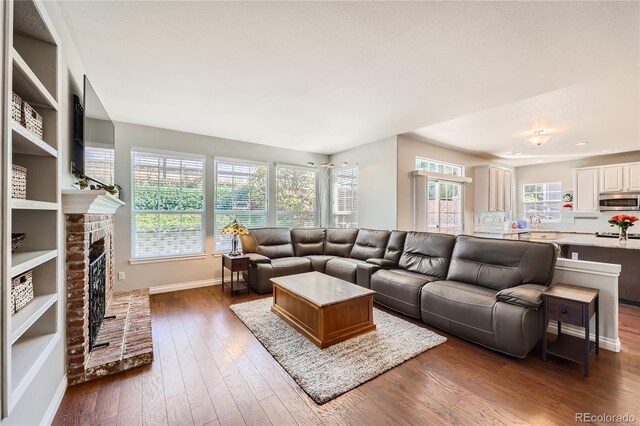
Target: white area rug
327,373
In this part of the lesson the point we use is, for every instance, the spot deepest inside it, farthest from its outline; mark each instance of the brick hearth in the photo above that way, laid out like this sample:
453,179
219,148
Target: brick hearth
129,334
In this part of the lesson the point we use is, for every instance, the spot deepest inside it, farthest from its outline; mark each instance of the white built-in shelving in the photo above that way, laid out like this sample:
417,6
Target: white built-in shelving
32,70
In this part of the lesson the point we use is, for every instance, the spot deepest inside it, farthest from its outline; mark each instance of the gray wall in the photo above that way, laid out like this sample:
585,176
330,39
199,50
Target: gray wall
192,270
377,185
410,147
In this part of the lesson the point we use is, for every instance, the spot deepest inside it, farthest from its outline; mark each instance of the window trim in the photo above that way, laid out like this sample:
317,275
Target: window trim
151,259
267,211
316,213
526,203
446,163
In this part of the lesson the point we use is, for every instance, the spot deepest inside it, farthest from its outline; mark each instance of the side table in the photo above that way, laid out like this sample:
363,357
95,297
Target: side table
573,305
235,264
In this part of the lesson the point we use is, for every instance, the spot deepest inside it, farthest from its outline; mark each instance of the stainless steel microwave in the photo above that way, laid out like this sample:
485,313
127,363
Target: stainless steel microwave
619,201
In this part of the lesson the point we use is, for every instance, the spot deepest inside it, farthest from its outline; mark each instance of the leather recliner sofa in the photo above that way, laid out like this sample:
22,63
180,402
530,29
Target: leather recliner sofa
484,290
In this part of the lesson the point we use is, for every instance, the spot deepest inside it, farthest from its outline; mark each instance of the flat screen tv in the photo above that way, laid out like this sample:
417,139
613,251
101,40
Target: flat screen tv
93,150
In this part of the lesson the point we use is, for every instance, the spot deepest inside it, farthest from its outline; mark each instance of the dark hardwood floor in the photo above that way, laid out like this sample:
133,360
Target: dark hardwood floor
209,369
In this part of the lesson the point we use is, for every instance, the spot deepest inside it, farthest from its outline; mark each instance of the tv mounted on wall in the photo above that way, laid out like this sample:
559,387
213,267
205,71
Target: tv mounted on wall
93,144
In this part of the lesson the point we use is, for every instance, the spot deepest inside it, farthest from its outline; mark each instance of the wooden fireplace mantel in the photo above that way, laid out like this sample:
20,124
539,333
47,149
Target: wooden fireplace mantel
89,201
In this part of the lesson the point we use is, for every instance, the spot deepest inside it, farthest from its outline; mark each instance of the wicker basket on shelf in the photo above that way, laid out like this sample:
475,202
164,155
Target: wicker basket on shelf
16,108
16,241
21,291
19,183
32,120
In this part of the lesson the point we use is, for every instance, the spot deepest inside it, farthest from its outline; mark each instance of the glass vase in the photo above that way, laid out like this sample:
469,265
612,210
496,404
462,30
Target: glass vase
623,237
234,245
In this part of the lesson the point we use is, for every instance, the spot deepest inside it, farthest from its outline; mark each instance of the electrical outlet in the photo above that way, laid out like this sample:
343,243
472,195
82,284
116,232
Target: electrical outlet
121,276
574,256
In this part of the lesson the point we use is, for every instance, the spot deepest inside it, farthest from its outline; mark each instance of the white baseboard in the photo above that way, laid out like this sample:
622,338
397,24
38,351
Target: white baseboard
605,342
167,288
52,409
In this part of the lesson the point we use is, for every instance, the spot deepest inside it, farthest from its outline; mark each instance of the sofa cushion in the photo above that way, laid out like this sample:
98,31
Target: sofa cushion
395,246
308,241
500,264
290,266
460,303
370,243
343,268
319,262
427,253
339,242
272,242
399,289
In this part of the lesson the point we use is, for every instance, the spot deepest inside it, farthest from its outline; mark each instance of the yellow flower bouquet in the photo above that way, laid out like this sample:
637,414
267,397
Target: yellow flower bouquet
234,229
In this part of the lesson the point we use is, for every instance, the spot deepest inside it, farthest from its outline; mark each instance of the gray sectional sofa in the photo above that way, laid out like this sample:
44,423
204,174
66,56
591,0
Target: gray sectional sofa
484,290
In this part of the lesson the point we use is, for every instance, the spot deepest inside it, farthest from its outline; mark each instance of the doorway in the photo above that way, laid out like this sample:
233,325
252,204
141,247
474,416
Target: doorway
444,207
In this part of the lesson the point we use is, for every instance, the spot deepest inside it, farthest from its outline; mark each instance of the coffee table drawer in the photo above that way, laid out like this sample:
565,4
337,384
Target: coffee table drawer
565,311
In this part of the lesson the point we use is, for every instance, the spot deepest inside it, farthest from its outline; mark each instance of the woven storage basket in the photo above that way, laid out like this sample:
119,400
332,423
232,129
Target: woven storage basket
17,240
22,290
16,108
19,183
32,120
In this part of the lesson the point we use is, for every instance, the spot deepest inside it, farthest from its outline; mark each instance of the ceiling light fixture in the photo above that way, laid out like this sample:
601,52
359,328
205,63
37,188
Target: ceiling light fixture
538,138
581,143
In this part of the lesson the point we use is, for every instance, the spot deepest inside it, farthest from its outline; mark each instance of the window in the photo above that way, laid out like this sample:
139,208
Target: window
240,194
439,167
99,164
168,204
444,207
295,197
345,199
543,200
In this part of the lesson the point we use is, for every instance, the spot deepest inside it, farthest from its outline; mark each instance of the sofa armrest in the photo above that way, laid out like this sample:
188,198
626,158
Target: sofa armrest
364,272
257,258
382,263
525,295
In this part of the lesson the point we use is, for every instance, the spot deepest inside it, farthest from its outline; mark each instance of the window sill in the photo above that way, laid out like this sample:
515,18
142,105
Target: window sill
167,259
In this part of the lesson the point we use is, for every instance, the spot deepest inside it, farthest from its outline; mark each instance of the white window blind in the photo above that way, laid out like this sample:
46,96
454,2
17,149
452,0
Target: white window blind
168,204
435,166
241,189
345,199
99,164
296,190
543,200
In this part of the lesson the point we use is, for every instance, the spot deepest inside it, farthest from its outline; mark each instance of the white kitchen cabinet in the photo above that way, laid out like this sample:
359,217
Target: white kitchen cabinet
611,178
493,189
508,190
631,177
586,185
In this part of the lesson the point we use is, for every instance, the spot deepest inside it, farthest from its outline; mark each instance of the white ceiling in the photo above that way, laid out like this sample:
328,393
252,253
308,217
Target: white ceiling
327,76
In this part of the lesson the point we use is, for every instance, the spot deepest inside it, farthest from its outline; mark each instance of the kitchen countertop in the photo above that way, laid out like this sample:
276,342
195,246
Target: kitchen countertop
502,232
592,240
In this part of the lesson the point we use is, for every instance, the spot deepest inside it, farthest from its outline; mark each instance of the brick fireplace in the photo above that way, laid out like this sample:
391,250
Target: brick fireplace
123,339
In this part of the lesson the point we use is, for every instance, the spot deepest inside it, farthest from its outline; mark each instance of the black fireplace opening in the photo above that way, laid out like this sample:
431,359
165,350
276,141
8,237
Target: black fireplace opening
97,289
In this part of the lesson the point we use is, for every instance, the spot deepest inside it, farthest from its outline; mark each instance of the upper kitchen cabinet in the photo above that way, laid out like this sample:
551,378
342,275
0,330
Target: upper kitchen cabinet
590,181
585,183
611,178
493,189
620,177
631,177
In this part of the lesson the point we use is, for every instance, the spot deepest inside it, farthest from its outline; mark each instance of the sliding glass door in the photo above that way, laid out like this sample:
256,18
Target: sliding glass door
444,207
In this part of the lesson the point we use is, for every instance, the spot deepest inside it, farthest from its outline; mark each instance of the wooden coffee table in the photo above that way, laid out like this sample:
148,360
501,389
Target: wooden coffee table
324,309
